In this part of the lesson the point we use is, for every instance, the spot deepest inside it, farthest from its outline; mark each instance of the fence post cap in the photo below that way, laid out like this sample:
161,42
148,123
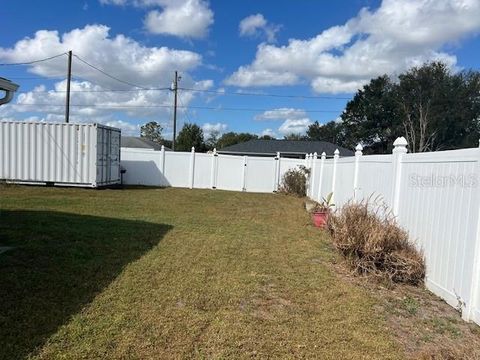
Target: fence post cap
336,152
315,155
163,148
193,148
324,154
359,147
400,142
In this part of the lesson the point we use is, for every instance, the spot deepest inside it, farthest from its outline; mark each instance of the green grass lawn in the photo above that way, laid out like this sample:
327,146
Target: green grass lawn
174,273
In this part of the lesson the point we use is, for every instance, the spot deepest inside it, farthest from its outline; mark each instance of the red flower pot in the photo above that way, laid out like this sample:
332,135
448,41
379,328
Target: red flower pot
320,219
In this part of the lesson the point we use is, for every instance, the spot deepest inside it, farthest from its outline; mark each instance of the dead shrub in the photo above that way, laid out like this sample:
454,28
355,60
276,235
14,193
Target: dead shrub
373,243
294,181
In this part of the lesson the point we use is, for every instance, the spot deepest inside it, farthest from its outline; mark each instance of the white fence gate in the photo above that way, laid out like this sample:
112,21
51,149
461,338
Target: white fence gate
434,196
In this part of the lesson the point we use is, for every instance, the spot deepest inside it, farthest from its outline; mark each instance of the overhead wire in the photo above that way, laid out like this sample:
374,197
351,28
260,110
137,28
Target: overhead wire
142,88
33,61
170,106
265,94
107,74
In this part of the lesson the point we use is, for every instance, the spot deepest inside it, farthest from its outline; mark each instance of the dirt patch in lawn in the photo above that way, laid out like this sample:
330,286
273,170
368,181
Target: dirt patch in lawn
424,325
266,303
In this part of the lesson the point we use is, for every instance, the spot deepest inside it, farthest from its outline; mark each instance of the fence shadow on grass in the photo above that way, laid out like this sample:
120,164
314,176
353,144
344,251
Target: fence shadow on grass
59,262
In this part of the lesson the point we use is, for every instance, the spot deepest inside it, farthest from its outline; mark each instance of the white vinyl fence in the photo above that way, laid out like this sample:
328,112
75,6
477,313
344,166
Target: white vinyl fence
204,171
434,196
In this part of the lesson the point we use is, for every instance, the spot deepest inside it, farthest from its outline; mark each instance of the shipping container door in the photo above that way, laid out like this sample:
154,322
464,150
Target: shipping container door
114,156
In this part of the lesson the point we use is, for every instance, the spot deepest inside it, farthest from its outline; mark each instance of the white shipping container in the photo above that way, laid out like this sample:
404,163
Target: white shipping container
59,153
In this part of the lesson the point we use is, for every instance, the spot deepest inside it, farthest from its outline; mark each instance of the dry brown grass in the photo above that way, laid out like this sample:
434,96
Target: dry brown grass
373,243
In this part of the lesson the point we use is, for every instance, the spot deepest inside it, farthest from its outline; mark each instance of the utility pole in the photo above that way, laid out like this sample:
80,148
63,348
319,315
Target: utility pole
175,89
69,79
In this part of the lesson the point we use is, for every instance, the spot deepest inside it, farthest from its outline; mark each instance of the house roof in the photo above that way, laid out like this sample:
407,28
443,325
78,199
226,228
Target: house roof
139,142
285,147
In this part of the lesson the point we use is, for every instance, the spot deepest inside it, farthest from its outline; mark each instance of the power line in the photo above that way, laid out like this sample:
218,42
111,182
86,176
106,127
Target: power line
169,89
34,78
186,110
266,94
33,61
92,91
109,75
170,106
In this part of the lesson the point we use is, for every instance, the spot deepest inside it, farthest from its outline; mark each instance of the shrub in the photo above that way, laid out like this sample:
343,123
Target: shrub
373,243
294,181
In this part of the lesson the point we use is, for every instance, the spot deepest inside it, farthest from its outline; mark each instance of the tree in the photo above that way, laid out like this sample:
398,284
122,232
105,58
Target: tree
152,131
212,140
190,135
372,117
293,136
232,138
266,137
432,107
438,109
331,131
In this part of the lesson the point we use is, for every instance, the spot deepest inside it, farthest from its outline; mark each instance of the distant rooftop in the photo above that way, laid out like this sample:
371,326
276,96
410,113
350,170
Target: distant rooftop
285,147
140,143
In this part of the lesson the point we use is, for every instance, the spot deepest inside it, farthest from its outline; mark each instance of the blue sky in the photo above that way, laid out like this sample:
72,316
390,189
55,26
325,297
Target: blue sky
315,54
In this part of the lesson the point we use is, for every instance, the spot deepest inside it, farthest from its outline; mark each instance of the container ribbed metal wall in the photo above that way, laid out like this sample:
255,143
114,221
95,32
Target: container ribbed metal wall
59,153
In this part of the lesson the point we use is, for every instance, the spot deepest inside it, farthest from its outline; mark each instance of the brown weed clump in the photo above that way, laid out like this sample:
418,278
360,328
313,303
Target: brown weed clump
373,243
294,181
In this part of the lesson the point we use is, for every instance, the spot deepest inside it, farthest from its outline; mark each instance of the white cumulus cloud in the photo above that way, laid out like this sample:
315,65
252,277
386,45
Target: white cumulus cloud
294,126
182,18
257,26
209,129
269,132
188,19
121,57
390,39
281,114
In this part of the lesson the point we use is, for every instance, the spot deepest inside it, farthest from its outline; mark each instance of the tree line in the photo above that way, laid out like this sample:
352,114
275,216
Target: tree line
433,107
193,135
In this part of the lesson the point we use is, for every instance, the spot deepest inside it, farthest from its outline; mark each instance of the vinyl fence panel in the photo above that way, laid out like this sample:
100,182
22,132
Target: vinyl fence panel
143,167
344,190
203,171
230,172
177,168
260,174
439,207
375,178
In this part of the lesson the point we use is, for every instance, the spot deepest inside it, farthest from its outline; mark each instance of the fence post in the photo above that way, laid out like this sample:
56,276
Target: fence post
308,165
358,155
320,180
469,313
244,173
312,173
399,149
213,172
162,164
336,155
192,167
276,180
